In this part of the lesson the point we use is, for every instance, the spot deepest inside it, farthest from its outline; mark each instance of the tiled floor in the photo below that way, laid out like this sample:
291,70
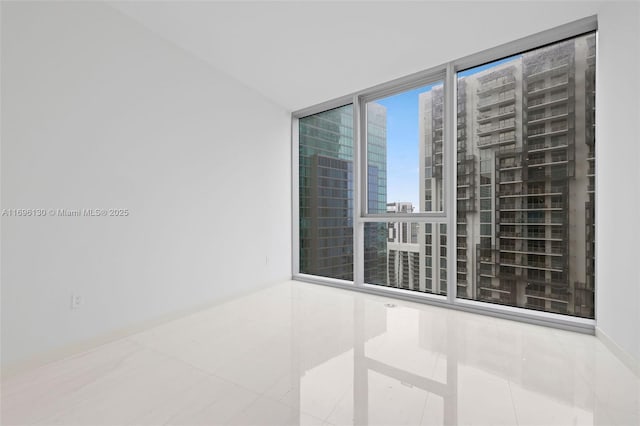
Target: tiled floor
300,353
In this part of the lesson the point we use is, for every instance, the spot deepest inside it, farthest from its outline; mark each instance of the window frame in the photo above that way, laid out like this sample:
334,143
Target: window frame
431,76
447,73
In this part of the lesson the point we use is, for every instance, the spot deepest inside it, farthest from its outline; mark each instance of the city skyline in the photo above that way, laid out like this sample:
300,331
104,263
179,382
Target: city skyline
403,116
525,167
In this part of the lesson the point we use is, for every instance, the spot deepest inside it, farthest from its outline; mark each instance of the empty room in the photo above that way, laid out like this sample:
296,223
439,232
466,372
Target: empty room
320,212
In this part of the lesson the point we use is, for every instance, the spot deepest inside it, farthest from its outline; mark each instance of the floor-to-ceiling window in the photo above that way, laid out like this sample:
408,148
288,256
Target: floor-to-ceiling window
525,179
471,184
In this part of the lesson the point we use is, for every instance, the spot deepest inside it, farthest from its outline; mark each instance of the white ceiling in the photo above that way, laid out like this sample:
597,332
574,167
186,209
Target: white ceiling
302,53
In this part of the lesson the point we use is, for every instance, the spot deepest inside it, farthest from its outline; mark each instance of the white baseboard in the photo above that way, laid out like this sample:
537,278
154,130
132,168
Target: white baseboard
625,357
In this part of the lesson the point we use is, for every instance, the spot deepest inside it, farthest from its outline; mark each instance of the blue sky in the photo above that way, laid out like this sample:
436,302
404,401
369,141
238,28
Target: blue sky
402,139
402,145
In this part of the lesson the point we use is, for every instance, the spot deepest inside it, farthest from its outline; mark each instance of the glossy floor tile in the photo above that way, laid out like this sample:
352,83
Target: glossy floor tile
298,353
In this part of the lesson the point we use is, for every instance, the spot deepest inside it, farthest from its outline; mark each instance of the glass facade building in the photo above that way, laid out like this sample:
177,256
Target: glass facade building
326,193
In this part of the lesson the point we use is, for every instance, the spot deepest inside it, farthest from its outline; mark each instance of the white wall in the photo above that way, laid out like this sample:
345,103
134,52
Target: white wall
618,176
97,112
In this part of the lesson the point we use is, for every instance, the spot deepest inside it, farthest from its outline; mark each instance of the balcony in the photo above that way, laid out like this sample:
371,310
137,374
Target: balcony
510,205
500,289
558,234
534,235
498,114
552,162
558,204
542,103
542,147
509,234
510,182
537,191
495,85
487,130
487,142
551,69
562,297
530,222
509,275
534,161
540,118
507,258
545,268
509,163
509,248
535,251
545,132
496,100
466,205
558,250
506,193
547,88
539,207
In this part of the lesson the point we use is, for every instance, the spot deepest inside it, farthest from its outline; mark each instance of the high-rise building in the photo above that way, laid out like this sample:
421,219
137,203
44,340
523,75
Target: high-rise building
375,236
403,250
326,194
326,191
525,175
433,237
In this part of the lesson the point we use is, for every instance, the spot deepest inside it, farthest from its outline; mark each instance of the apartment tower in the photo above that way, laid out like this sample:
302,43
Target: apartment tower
525,178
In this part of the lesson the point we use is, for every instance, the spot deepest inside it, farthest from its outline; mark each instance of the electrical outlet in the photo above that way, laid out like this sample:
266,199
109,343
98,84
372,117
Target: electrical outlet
76,301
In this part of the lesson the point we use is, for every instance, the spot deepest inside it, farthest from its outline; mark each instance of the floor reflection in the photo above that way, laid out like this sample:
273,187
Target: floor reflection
414,364
303,354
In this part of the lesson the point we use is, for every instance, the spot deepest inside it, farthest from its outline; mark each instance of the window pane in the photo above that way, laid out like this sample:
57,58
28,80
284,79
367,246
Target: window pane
405,151
525,172
326,193
406,255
